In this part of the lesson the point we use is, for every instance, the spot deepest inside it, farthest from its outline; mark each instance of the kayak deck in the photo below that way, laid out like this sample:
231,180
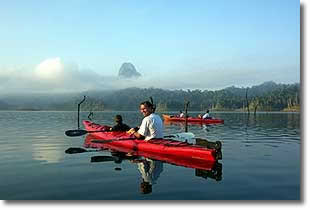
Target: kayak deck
156,146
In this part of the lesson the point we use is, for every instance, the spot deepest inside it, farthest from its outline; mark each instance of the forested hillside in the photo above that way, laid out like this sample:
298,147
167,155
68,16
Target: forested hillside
268,96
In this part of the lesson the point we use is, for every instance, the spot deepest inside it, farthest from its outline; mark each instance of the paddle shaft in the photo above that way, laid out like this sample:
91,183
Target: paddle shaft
112,140
80,132
186,107
79,111
178,135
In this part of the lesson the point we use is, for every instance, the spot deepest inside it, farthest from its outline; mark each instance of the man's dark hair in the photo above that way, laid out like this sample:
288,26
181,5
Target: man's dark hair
118,118
147,103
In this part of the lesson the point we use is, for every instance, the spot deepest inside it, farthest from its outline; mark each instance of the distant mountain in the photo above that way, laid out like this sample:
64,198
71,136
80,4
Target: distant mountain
264,88
257,90
128,70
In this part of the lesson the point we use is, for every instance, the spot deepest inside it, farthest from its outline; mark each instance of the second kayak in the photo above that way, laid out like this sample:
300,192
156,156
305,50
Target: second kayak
193,119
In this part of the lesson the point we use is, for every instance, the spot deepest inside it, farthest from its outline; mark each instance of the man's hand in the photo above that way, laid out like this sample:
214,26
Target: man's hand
131,131
136,134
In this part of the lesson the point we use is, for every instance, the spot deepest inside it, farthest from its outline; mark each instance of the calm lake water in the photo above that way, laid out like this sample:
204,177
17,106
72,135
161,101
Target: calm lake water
261,160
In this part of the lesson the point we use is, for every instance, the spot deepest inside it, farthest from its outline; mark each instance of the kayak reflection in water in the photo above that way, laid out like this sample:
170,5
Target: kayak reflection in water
150,171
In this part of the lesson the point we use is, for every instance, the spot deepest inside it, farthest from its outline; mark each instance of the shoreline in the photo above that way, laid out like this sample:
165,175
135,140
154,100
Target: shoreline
214,111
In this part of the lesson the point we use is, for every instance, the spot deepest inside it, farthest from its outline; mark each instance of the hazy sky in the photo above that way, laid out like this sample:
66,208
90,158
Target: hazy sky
79,45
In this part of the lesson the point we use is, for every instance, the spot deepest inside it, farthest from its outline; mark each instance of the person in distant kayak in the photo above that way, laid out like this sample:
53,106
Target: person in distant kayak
206,115
120,126
151,126
181,114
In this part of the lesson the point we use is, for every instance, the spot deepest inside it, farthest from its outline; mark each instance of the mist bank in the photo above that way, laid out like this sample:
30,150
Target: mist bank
269,96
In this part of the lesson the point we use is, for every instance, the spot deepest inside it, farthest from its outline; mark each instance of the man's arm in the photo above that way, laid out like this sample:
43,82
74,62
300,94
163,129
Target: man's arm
136,134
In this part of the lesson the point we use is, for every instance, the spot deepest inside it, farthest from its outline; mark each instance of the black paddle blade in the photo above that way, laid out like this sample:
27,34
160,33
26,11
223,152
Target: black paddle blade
75,150
75,132
101,159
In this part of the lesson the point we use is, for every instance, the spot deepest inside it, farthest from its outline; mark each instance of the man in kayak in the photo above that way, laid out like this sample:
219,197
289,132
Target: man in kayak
181,114
151,126
206,115
120,126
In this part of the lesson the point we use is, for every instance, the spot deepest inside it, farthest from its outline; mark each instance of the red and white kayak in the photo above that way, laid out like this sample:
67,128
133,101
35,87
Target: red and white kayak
192,119
167,147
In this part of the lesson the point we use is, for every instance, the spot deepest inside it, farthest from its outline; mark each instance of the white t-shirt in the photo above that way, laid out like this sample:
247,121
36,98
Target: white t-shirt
205,116
152,127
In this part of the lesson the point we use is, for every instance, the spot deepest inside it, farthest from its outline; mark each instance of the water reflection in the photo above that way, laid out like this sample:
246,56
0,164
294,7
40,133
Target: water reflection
215,173
47,156
151,165
47,152
151,169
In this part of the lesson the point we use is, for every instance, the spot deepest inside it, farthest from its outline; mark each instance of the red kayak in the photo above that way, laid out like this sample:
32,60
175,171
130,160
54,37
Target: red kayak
185,162
168,147
192,119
